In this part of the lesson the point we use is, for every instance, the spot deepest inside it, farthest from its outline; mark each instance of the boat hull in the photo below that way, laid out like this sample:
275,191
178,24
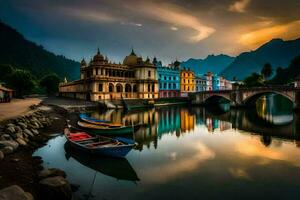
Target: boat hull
119,152
126,130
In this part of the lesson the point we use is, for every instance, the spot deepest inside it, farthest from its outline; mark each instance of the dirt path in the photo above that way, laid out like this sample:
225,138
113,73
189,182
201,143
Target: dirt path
16,107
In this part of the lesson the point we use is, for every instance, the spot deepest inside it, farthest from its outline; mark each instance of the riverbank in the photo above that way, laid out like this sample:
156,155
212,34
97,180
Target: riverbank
17,107
19,138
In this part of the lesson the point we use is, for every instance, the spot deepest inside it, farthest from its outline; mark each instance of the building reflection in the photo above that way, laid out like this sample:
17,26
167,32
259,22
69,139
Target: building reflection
177,120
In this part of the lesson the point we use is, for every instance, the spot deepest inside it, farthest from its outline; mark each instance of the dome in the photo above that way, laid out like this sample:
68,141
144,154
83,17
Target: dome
131,59
98,57
83,63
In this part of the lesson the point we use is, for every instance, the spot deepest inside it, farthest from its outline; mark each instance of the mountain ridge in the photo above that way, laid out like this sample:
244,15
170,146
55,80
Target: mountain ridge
18,51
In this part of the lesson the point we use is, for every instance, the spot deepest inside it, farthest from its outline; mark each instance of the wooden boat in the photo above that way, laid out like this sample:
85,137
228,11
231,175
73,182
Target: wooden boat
105,130
92,120
114,147
118,168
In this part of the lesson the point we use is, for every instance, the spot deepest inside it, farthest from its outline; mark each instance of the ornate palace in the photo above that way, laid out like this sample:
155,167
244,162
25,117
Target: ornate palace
102,80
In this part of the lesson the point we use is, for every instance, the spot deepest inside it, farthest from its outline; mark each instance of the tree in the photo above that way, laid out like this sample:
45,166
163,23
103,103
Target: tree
22,81
50,83
253,80
267,71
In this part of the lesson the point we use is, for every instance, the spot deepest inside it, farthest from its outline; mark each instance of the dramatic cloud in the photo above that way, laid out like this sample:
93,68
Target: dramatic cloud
260,36
239,6
172,14
168,29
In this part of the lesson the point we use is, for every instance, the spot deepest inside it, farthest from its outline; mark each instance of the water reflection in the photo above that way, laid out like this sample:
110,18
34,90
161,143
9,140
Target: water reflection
186,151
275,109
118,168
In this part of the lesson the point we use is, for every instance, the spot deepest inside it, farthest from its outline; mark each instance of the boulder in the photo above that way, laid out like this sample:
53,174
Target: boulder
35,132
10,125
18,128
28,132
10,130
1,155
56,187
5,137
23,125
21,142
15,192
10,143
7,150
51,172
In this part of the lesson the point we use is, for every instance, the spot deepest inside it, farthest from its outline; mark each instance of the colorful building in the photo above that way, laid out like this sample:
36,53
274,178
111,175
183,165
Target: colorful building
200,83
101,79
168,79
187,82
215,82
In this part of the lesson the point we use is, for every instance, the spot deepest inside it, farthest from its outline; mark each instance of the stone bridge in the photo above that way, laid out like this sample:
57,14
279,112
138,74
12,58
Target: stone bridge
246,96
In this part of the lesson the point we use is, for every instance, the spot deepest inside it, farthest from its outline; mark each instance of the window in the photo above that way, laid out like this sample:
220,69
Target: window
170,78
100,87
96,71
149,88
160,86
149,73
165,85
174,86
169,85
165,78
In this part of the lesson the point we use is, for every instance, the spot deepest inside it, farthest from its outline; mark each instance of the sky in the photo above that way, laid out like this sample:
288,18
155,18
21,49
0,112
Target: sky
167,29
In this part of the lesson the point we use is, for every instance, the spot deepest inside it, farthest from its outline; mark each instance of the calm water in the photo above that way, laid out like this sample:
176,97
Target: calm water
193,153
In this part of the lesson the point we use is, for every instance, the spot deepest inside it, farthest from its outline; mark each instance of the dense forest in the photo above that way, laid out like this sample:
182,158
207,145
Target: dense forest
15,50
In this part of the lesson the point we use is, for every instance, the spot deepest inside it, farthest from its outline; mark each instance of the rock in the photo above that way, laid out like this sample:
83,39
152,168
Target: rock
28,132
18,128
55,187
5,137
7,150
34,131
15,159
10,125
21,142
10,130
10,143
23,125
51,172
14,192
1,155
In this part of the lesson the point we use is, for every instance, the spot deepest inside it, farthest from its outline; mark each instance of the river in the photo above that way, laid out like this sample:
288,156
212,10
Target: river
193,153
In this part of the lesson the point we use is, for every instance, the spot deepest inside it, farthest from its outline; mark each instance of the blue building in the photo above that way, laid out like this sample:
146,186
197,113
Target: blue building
200,83
168,79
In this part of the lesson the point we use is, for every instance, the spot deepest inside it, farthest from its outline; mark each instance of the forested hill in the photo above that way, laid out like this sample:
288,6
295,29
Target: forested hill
277,52
18,51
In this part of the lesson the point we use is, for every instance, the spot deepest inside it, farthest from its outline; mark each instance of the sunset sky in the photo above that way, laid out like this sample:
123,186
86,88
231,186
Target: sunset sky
168,29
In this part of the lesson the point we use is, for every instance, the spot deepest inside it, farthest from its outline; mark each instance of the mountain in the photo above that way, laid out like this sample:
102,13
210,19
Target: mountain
277,52
17,51
211,63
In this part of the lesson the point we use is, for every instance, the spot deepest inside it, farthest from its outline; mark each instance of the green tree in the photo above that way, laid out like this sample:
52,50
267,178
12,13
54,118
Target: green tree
253,80
267,71
22,81
50,83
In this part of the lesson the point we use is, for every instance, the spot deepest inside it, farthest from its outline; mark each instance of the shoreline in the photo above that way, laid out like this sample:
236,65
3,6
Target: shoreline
19,170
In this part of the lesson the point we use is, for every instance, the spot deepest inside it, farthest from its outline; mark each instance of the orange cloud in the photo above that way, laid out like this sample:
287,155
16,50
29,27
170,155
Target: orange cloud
260,36
239,6
171,14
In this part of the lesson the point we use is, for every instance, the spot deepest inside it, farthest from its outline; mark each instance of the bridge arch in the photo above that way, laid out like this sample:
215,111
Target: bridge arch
216,97
251,99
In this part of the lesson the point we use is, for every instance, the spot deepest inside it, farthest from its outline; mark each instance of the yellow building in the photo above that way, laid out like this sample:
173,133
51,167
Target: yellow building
187,82
100,79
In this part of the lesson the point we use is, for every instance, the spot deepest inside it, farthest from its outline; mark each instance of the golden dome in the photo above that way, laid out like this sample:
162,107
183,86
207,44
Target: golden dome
131,59
98,57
